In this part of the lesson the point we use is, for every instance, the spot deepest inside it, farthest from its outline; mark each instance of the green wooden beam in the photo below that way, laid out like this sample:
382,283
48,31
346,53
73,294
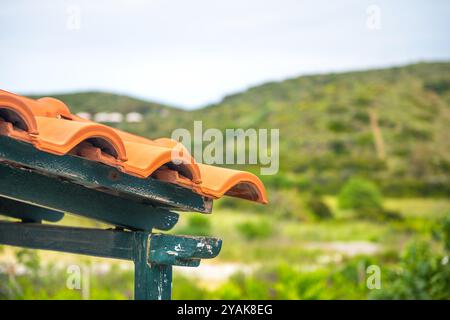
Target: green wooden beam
126,245
106,178
59,195
93,242
27,212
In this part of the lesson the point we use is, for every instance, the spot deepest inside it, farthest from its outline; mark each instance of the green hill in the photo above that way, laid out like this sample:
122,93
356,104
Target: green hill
390,125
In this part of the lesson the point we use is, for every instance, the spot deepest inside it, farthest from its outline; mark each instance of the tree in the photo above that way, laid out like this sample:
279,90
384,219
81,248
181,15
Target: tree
360,194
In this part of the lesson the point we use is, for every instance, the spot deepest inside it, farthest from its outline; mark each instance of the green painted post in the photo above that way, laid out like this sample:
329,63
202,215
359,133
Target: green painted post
151,281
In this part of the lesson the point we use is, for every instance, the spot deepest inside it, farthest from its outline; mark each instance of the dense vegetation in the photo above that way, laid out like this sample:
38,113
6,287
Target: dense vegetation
289,259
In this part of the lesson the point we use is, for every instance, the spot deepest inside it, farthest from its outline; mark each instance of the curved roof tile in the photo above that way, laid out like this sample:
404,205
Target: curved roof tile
20,109
48,124
219,181
145,159
60,136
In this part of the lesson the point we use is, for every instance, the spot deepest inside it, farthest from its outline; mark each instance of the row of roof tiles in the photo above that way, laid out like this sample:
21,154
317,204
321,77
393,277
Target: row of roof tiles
49,125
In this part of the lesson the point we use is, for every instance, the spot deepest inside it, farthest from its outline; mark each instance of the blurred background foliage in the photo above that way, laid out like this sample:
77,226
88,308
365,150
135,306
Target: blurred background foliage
419,273
363,180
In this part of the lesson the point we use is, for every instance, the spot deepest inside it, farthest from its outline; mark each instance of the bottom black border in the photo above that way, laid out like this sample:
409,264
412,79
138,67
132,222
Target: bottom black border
227,309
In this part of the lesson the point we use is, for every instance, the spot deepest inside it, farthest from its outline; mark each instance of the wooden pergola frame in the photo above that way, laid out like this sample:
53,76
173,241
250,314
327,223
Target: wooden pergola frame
36,186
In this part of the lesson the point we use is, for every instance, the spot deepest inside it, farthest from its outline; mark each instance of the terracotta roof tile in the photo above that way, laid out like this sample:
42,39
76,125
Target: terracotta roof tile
48,124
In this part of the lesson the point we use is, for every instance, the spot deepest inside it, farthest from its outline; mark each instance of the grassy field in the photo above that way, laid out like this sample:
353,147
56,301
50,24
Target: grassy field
260,252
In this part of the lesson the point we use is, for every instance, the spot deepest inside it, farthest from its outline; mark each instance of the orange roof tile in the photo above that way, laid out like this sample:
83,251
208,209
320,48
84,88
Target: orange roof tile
48,124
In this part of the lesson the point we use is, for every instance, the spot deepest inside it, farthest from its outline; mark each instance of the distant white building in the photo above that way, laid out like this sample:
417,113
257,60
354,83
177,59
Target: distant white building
84,115
109,117
112,117
134,117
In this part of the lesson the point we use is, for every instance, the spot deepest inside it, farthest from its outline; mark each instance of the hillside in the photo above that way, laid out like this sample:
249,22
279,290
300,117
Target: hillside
390,125
94,102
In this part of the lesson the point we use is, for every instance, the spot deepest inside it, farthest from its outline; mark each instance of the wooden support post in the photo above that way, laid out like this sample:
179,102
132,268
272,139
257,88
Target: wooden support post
151,281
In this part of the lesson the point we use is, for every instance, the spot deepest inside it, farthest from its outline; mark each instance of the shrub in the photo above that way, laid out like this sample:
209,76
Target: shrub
256,230
279,181
319,208
338,147
197,225
442,232
422,275
439,86
187,288
285,204
424,272
360,194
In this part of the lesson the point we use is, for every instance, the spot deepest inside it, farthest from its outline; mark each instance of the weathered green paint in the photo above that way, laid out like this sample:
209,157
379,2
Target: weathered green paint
156,254
151,253
183,251
44,191
93,242
106,178
27,212
151,281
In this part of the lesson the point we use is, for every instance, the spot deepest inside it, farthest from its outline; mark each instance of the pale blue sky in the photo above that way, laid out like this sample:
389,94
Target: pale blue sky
190,53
